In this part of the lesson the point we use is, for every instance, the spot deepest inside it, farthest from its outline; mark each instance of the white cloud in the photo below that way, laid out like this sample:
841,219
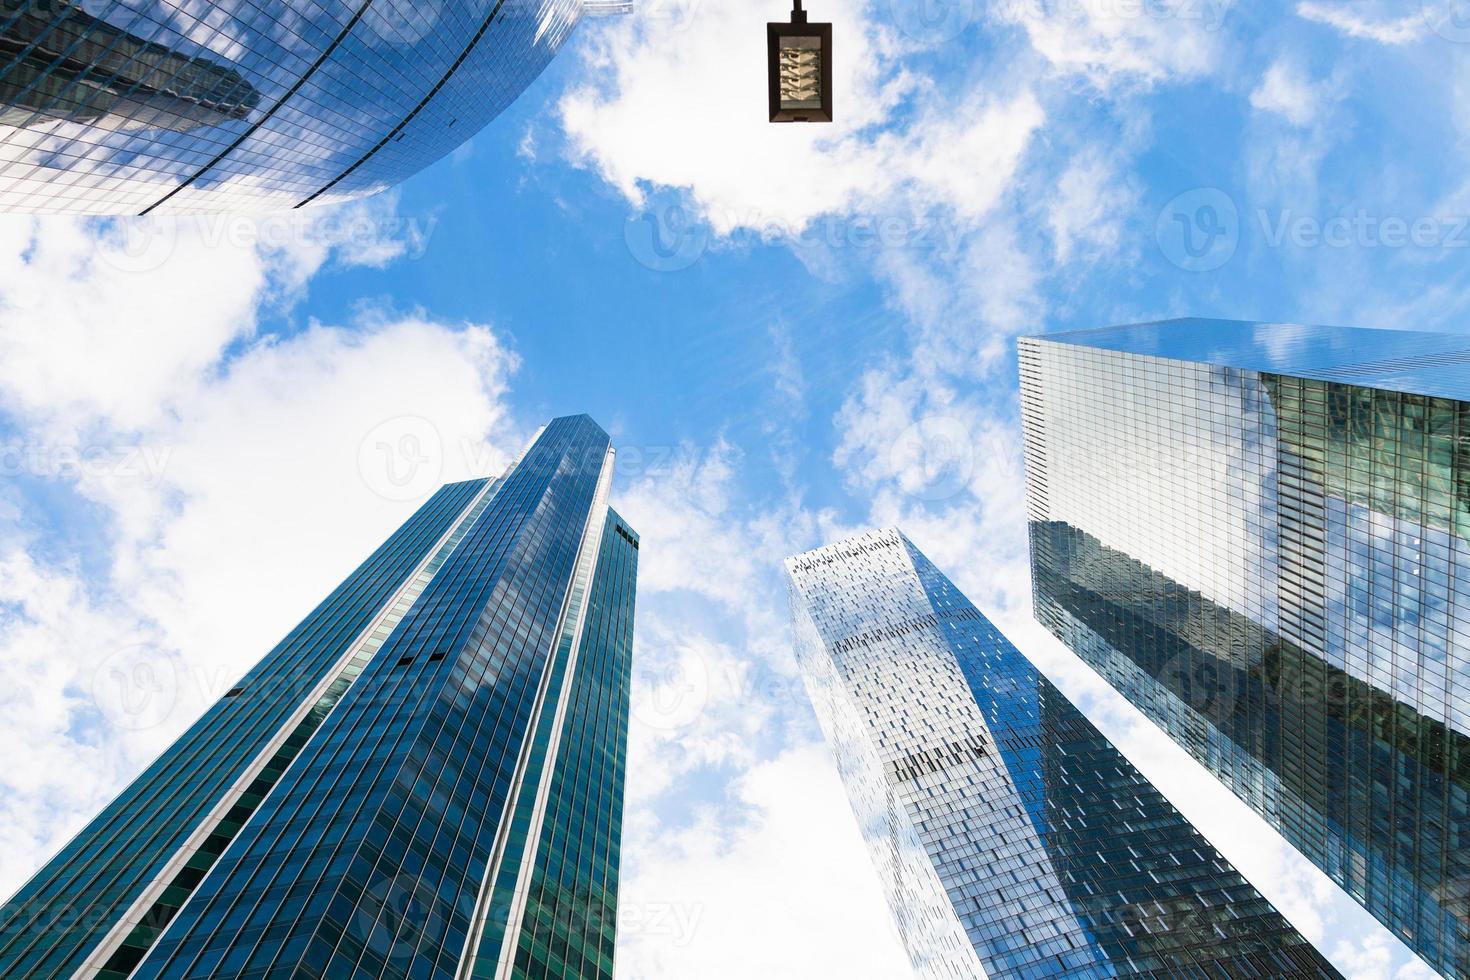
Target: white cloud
1460,95
1299,121
262,507
684,511
962,309
279,434
1371,958
1117,43
787,892
965,167
1086,212
59,772
917,435
117,319
733,829
91,330
686,109
237,485
1287,91
1372,21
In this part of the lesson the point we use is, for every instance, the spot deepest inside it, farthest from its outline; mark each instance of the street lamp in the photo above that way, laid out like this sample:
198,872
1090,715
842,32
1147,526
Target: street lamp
800,56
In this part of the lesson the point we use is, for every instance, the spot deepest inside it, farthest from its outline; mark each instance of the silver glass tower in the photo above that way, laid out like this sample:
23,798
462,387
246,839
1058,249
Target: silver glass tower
1012,839
1260,534
135,106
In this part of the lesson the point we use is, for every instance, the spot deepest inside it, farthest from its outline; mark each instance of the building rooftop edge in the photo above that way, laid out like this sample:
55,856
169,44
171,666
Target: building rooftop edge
1420,362
832,547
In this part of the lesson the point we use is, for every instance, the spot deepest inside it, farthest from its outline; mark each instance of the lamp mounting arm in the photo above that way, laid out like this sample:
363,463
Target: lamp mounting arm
798,14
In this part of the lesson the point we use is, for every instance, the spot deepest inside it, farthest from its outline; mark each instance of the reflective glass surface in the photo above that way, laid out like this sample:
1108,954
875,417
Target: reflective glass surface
49,926
569,926
1414,361
1012,839
1275,568
474,671
132,106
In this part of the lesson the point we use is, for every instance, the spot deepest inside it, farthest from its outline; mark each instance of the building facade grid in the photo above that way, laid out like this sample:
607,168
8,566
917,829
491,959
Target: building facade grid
51,923
130,106
369,798
1012,839
1274,567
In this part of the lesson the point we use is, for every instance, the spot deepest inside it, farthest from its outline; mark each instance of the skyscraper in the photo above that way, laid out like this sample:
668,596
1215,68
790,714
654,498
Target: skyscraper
423,779
132,106
1012,839
1260,534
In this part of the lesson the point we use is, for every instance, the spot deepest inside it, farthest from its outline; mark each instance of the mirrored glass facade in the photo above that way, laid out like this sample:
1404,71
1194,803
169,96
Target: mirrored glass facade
1260,534
424,779
1012,839
136,106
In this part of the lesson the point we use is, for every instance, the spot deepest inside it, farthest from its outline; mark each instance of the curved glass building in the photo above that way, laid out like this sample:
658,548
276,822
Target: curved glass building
135,107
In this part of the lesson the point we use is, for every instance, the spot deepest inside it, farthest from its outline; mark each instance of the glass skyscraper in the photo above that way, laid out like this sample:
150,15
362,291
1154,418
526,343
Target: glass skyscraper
423,779
1012,839
136,106
1260,534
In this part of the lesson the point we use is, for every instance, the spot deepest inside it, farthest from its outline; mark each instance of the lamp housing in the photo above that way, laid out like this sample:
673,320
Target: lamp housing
800,56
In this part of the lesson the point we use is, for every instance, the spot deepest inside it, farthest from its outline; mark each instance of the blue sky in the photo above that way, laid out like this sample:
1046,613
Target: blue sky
792,332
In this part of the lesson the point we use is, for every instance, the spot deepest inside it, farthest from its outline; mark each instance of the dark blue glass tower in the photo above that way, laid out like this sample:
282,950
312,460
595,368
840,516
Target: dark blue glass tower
424,779
1012,839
